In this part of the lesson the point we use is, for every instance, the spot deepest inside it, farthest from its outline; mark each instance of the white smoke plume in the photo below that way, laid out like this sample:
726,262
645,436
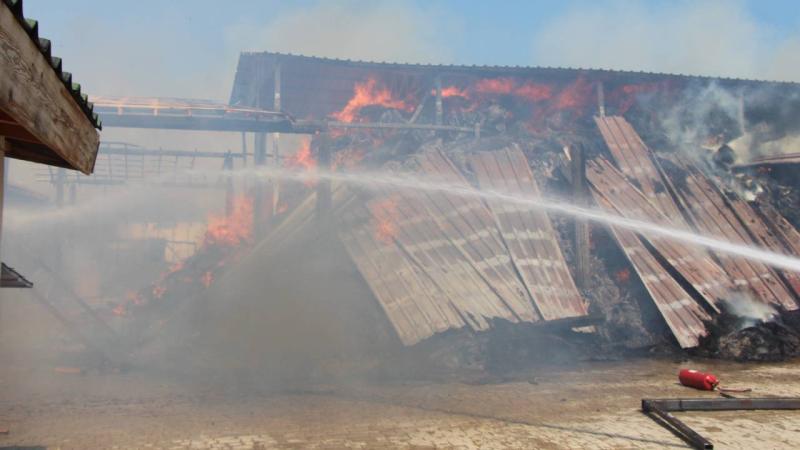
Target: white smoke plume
749,311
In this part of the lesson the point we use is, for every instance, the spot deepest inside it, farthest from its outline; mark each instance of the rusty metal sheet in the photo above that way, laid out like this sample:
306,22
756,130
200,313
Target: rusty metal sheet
693,264
470,227
783,229
764,235
635,160
680,311
528,234
425,274
394,282
787,158
423,237
714,217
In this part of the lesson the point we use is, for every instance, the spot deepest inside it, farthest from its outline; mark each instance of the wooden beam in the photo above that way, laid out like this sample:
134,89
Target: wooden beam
12,131
34,96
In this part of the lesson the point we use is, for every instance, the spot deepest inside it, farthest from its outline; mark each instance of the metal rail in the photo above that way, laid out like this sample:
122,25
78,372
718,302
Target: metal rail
659,410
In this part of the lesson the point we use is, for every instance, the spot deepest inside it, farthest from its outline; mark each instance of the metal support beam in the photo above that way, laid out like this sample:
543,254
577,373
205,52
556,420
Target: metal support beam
659,410
580,198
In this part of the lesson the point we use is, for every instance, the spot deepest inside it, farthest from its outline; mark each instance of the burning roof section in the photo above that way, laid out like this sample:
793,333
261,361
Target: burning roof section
319,88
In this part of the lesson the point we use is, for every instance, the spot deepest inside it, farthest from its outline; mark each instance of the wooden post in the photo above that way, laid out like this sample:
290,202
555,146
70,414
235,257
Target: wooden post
579,198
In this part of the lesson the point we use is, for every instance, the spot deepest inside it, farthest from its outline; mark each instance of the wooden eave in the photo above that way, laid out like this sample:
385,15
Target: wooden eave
39,116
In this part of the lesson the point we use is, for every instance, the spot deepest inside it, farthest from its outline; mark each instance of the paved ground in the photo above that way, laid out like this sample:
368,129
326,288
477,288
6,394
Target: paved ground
593,406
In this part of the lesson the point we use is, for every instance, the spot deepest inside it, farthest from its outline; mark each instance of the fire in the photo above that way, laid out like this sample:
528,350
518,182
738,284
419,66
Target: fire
623,275
347,159
385,216
207,279
528,90
370,93
626,95
120,310
159,290
575,96
452,91
302,158
496,86
234,229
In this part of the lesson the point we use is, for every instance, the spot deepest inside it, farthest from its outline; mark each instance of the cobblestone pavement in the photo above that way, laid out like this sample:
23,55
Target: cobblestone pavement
594,406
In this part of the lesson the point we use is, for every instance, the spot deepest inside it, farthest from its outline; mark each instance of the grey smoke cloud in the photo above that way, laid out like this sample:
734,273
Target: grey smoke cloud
717,38
377,31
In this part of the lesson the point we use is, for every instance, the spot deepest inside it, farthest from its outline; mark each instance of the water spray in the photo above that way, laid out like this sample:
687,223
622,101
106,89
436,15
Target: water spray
389,180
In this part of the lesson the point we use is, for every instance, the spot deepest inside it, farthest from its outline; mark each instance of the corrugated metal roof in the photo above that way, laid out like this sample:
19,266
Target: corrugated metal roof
693,264
680,311
712,215
445,261
31,27
635,160
316,88
500,68
528,234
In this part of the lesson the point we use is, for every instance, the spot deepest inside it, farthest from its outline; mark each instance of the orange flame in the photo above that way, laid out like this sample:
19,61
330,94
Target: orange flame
533,92
369,93
207,279
302,158
496,86
234,229
348,158
385,216
626,95
159,290
120,310
453,91
623,275
575,96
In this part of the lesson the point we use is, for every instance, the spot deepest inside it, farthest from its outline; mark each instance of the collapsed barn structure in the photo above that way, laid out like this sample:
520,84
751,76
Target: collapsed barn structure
321,244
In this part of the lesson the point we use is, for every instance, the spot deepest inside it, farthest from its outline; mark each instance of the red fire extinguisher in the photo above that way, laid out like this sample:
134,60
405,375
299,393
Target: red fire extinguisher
698,380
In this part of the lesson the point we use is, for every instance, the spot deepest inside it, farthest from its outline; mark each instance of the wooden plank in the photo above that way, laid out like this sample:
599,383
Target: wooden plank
38,101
